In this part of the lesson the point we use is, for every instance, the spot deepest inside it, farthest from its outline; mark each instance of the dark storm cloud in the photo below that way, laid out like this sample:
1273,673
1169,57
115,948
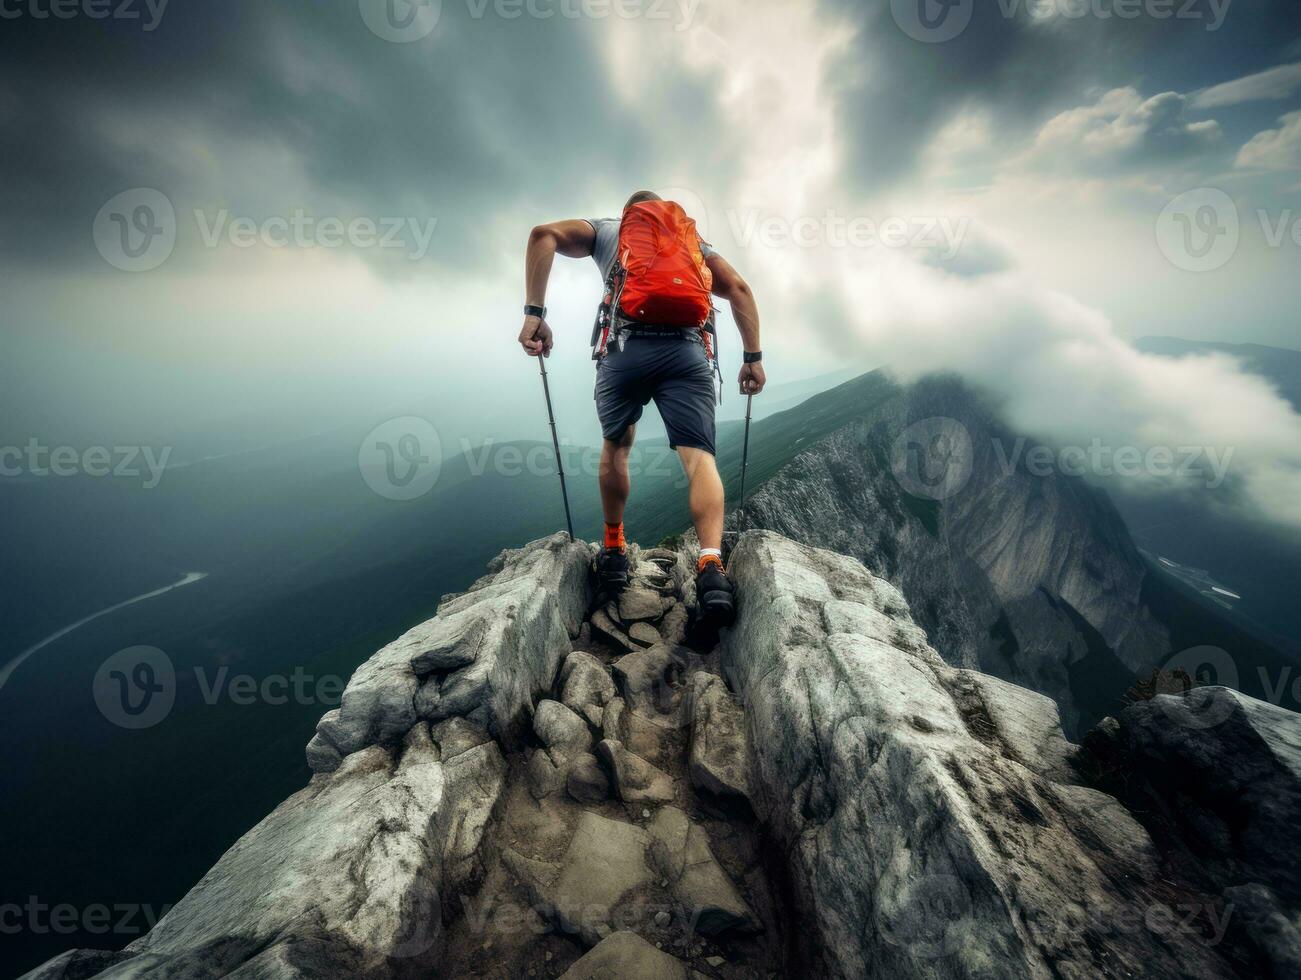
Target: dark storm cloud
893,93
263,107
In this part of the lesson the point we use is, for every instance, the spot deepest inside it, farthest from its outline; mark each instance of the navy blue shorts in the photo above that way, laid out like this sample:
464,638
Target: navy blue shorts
675,372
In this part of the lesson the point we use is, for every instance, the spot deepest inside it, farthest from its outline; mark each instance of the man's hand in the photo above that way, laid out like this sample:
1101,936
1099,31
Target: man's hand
535,337
752,378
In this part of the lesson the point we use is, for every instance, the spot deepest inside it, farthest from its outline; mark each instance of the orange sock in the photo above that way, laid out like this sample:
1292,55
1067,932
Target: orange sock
614,536
708,558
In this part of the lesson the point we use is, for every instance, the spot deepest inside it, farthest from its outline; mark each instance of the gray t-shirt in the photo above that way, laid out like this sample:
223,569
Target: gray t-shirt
607,243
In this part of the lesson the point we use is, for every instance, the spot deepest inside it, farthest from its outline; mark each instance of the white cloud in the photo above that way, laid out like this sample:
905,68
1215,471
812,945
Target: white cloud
1122,130
1274,149
1276,83
1066,376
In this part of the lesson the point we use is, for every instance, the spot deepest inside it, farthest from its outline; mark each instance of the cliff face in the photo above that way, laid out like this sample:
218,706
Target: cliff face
526,786
1032,578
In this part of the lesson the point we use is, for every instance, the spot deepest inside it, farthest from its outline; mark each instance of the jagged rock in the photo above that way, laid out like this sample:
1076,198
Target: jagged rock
545,778
587,782
606,862
347,870
321,755
652,681
607,629
76,964
1275,933
586,686
644,634
634,779
665,557
563,733
626,956
682,855
428,697
637,604
917,843
456,735
612,721
512,628
472,783
1227,767
673,627
719,759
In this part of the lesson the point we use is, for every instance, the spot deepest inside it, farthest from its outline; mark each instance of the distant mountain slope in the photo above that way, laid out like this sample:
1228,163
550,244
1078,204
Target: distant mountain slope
1022,576
1201,528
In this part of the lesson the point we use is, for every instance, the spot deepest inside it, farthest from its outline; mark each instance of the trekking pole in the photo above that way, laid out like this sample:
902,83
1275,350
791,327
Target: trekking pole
555,442
745,458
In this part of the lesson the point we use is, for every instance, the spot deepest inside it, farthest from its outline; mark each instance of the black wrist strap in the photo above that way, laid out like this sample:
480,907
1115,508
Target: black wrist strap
537,311
753,358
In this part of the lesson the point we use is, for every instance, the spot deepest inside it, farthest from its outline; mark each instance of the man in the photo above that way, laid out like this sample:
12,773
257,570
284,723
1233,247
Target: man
669,366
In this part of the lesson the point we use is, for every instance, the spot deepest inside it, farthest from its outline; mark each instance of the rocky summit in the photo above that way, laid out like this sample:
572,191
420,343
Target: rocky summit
531,786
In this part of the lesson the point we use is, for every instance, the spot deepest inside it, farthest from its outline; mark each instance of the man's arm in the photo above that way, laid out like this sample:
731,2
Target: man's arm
571,238
729,285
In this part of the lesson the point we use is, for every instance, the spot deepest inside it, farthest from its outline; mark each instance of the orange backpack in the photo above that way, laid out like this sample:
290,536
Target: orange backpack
659,278
664,279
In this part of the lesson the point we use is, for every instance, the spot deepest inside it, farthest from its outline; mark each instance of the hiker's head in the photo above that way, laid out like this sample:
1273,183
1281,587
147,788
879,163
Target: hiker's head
641,196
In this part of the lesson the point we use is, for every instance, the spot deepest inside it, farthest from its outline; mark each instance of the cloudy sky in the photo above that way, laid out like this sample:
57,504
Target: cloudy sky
279,216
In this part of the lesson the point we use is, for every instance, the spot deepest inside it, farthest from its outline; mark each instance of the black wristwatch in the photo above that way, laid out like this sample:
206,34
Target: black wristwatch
538,311
754,358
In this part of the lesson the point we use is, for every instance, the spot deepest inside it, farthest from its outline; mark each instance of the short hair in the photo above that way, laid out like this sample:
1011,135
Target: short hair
641,196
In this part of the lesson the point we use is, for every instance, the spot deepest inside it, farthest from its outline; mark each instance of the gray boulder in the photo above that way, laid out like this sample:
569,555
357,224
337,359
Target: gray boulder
626,956
343,878
1226,769
586,686
719,757
587,781
634,779
563,733
682,855
502,642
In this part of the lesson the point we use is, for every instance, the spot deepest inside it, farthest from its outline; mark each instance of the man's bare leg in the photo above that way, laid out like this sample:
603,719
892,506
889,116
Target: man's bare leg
705,495
615,484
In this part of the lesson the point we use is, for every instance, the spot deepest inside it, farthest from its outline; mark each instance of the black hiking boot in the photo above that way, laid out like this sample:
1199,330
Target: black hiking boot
715,595
611,573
